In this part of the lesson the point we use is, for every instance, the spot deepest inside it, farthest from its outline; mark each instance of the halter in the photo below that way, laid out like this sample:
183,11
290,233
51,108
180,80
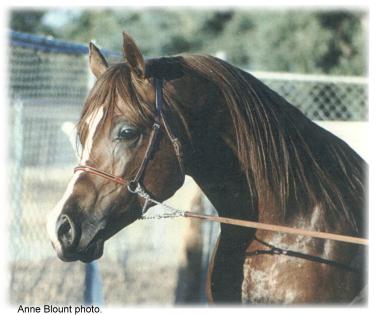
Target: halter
135,185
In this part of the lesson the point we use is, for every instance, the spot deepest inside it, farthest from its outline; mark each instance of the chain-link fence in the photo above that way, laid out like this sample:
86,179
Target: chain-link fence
322,97
48,83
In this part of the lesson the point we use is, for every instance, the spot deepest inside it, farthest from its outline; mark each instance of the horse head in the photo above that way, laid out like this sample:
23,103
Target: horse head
115,130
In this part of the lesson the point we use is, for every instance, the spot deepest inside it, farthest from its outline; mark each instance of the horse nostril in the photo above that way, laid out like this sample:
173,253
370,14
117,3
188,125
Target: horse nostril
66,232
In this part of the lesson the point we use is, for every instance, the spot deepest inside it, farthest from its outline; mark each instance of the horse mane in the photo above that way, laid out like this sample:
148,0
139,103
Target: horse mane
282,153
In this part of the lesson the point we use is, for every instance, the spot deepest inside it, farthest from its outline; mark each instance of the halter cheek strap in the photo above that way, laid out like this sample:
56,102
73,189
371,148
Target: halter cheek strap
135,185
159,119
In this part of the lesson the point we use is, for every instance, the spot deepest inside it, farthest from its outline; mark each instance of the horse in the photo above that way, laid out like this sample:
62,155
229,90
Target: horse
147,123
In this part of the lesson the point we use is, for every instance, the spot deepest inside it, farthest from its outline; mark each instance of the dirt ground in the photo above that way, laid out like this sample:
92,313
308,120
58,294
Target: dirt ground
55,282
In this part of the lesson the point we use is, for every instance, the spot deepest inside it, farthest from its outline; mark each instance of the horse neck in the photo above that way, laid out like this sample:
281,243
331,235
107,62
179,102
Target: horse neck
215,168
211,158
210,153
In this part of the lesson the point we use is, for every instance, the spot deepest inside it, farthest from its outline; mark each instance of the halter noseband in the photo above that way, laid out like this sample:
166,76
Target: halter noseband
135,185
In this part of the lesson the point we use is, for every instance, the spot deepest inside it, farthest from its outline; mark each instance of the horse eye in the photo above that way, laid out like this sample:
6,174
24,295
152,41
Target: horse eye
128,134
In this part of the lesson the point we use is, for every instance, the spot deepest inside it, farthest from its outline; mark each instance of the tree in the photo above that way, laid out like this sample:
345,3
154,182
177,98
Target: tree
332,42
29,21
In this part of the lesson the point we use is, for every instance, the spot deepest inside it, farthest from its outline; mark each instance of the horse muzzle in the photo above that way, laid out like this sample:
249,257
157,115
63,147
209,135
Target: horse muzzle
73,241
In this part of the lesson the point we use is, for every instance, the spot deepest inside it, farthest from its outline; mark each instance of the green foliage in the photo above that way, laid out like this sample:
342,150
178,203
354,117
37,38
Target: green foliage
29,21
305,41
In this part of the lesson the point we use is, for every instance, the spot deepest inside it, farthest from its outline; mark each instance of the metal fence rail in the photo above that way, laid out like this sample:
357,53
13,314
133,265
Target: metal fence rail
48,83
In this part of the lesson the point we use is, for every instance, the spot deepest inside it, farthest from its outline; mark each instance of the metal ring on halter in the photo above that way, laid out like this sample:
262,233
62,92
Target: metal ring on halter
133,187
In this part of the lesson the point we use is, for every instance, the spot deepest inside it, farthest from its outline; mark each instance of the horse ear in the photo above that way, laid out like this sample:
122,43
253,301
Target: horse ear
97,62
133,55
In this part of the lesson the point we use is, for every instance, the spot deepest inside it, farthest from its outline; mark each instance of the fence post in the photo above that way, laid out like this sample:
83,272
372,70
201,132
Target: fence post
17,171
209,235
93,284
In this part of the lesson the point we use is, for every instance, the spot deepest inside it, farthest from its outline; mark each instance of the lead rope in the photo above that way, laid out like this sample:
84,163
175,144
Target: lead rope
174,213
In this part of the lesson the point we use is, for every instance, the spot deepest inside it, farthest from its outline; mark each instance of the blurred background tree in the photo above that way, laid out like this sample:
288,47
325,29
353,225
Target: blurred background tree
30,21
304,41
